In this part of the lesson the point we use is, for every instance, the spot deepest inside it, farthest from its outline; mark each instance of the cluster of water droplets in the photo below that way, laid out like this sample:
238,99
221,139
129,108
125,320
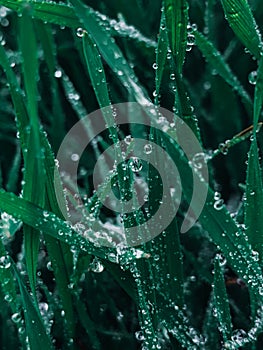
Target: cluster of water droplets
219,202
190,41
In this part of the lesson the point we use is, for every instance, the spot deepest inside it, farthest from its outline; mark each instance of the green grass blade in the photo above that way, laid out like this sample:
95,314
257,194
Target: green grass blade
176,14
161,56
254,200
44,32
51,12
38,338
258,99
240,18
96,71
110,52
221,299
217,62
33,190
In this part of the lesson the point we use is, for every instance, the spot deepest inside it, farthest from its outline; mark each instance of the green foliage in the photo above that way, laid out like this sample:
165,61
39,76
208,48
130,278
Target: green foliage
69,285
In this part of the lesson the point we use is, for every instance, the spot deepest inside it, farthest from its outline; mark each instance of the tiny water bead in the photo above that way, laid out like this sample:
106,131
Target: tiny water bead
148,148
252,77
223,148
135,164
218,205
58,73
80,32
74,157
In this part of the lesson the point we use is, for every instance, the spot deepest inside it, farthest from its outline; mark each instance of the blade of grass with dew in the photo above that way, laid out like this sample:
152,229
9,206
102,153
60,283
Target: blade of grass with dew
161,56
110,52
217,62
209,19
44,32
53,226
254,199
60,14
210,327
254,183
60,252
38,338
176,14
221,303
9,292
221,227
33,190
240,18
166,247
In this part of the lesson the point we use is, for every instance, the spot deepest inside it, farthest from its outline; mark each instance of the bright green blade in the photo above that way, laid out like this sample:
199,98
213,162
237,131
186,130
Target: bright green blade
240,18
176,14
52,12
34,189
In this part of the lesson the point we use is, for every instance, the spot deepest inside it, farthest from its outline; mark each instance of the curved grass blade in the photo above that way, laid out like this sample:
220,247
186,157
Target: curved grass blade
34,189
240,18
217,62
176,14
110,52
221,303
38,338
51,12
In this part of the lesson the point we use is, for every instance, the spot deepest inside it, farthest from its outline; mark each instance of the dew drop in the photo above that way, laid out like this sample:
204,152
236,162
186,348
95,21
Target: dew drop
58,73
80,32
218,205
74,157
5,262
135,164
252,77
16,317
96,265
139,336
148,148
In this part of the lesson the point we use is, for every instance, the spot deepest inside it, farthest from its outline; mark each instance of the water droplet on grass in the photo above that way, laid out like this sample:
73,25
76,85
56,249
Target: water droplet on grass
80,32
96,265
16,317
58,74
135,164
148,148
252,77
5,262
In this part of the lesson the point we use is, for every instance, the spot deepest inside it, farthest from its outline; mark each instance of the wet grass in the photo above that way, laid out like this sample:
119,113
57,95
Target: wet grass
74,285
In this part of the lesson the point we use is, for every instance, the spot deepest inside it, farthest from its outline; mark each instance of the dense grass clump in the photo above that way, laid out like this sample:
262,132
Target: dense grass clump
72,276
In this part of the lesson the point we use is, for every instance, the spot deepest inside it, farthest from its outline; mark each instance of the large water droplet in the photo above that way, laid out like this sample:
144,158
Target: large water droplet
252,77
96,265
135,164
80,32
